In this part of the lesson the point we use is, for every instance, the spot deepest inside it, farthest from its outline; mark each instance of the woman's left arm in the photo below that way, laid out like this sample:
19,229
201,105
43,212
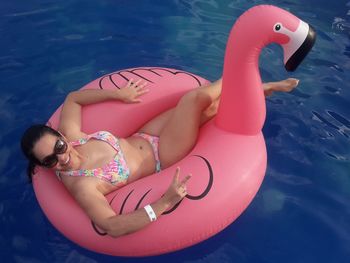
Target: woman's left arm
70,118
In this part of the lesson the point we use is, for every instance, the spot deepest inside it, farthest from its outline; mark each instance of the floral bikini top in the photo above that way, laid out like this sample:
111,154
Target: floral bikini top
115,172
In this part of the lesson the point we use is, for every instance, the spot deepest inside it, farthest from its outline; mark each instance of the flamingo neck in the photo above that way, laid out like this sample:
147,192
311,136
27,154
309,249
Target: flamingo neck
242,107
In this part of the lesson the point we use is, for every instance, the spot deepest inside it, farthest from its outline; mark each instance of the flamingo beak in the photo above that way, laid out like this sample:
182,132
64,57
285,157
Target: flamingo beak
301,42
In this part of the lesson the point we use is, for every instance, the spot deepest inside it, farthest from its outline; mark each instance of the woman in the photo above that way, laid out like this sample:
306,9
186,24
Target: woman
160,143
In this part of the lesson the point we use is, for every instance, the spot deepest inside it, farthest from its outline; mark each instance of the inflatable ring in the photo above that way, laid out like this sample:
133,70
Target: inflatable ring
228,162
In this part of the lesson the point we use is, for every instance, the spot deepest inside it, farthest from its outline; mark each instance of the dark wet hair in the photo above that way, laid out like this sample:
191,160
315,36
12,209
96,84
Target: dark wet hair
29,139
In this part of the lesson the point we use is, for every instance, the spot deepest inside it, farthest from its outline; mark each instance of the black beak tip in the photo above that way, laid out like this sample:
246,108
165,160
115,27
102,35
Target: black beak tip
295,60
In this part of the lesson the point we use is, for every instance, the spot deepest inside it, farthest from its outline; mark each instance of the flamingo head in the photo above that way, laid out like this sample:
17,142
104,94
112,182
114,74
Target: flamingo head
294,35
265,24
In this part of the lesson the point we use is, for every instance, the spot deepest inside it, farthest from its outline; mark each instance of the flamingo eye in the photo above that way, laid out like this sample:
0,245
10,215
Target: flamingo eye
277,27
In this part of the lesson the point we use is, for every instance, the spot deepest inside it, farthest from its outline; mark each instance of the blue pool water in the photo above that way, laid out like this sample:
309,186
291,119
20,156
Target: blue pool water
302,211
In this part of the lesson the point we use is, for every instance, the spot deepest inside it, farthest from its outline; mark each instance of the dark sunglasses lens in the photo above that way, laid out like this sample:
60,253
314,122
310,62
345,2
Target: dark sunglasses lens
50,161
60,147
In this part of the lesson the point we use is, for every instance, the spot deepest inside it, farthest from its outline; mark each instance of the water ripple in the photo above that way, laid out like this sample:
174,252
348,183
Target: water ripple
339,118
341,24
337,157
34,12
289,178
323,120
11,65
342,125
328,64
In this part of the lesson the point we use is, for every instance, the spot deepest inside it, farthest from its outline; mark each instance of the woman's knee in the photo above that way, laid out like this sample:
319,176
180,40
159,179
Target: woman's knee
196,97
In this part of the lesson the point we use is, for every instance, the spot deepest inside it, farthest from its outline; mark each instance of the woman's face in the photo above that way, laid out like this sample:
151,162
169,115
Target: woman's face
56,152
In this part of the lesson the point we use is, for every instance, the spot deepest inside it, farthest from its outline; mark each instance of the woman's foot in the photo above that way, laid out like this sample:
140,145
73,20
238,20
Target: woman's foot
286,85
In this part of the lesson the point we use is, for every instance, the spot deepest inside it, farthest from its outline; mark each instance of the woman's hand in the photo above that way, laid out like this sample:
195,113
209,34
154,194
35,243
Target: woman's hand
177,189
132,91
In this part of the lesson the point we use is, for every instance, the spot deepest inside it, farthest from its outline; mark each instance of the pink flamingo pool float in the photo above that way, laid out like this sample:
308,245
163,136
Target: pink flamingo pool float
228,162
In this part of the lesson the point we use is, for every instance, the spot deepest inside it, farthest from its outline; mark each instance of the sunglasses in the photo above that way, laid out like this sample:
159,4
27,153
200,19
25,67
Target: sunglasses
60,148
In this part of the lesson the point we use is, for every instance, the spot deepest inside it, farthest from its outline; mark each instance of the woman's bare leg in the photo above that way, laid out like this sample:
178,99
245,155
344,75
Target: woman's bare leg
178,127
156,125
286,85
179,133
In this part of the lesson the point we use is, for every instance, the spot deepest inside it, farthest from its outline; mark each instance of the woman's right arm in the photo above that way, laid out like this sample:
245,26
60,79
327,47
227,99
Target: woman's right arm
100,212
70,118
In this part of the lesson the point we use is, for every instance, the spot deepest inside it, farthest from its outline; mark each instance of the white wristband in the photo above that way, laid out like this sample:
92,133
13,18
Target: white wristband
150,212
